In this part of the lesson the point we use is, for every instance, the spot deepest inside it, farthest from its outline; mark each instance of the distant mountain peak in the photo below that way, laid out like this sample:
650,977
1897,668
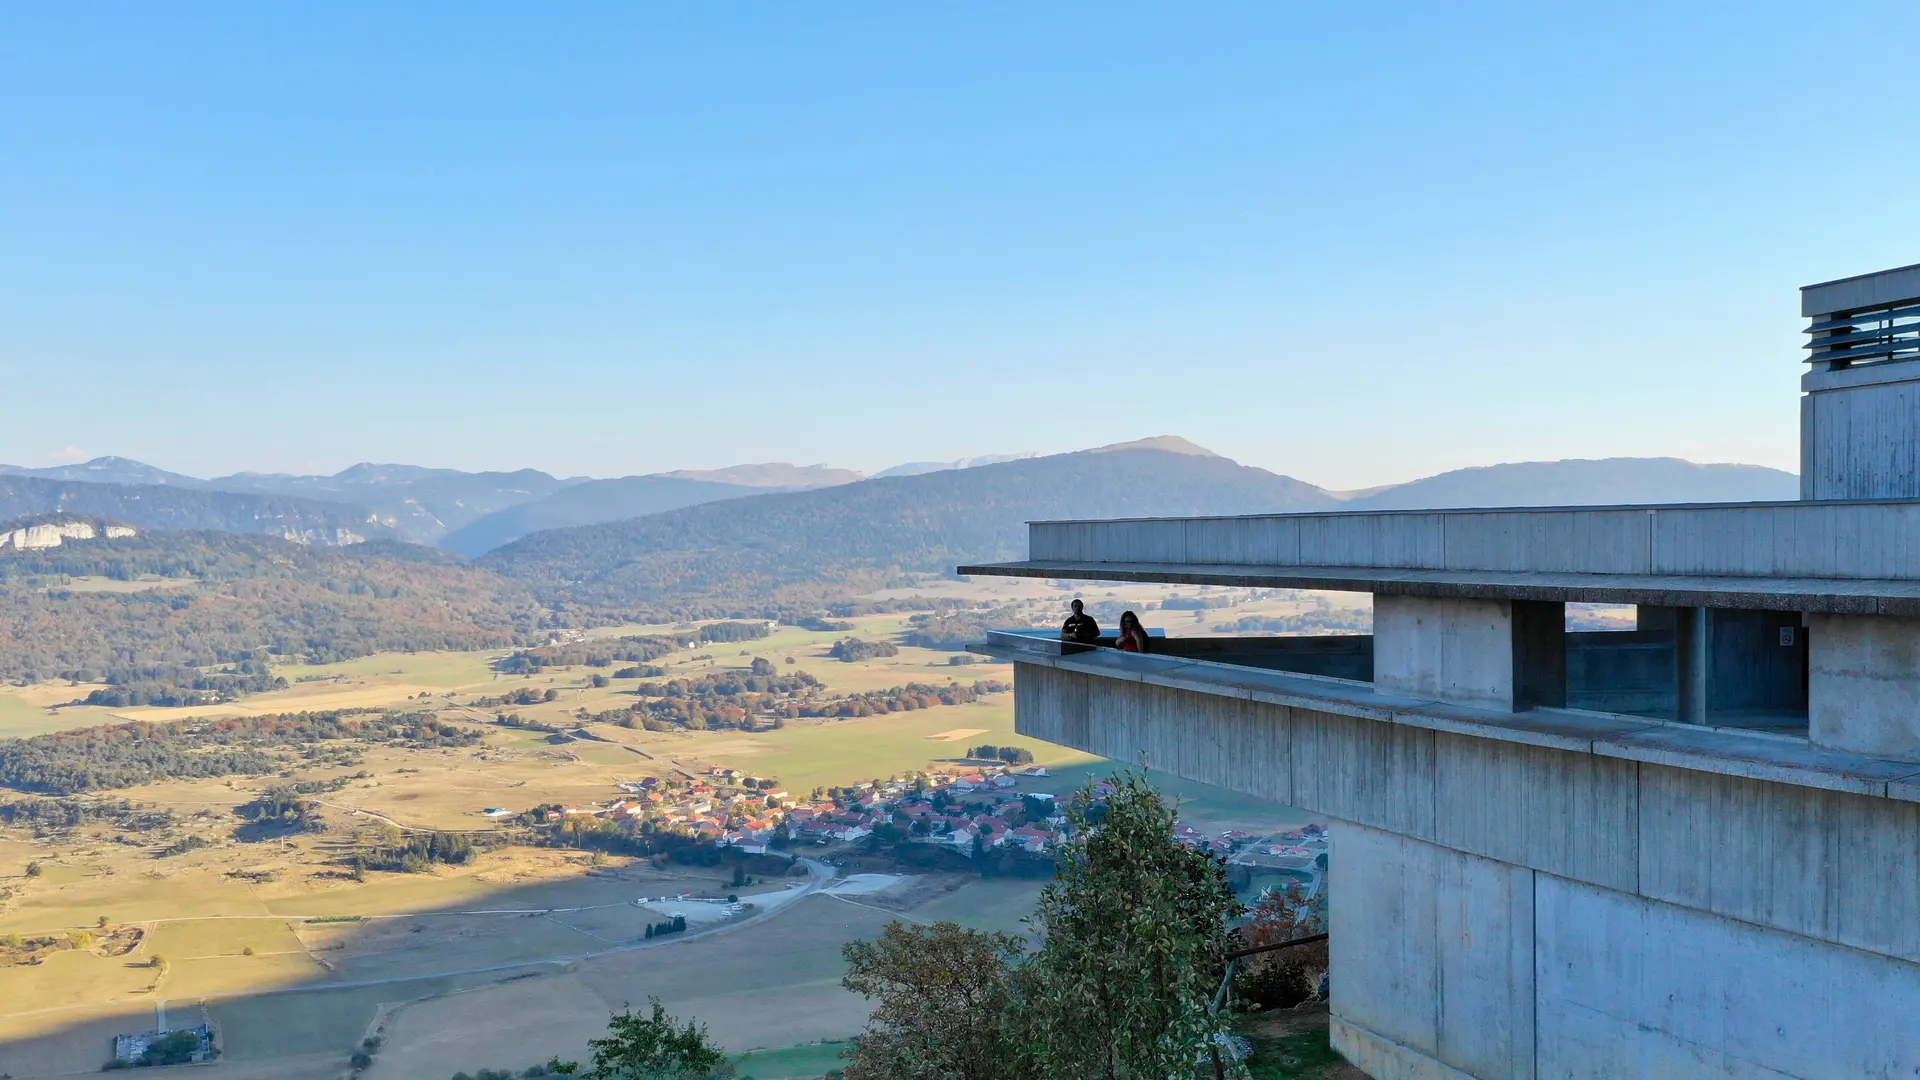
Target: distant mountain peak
109,469
1171,444
772,474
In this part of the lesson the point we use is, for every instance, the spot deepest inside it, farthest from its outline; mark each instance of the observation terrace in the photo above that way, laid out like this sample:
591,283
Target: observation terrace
1687,849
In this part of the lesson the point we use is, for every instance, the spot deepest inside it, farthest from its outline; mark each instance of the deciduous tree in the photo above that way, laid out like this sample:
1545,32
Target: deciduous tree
941,996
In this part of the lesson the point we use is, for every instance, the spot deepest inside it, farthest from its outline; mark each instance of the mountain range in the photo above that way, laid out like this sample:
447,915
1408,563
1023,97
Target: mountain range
911,516
779,553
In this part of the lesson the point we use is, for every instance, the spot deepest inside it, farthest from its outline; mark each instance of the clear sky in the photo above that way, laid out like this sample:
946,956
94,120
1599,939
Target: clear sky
1357,243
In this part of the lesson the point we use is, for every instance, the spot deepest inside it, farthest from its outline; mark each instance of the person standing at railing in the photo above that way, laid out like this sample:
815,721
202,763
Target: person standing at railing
1080,626
1133,636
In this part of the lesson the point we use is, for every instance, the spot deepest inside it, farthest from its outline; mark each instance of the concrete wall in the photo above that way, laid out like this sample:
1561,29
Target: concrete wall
1863,442
1633,989
1684,923
1335,656
1433,953
1622,671
1864,684
1749,668
1818,540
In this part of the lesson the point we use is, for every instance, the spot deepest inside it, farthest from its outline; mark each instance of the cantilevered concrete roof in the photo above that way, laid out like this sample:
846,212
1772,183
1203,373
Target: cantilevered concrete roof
1842,557
1829,595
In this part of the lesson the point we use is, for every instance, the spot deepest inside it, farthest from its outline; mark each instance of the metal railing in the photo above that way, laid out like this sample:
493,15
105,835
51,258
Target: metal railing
1226,986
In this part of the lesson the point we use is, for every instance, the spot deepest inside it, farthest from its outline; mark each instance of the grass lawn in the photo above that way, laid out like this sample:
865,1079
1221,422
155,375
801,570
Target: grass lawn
996,904
793,1062
1290,1044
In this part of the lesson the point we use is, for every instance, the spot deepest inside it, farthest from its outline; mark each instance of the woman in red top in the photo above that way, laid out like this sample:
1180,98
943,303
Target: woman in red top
1133,637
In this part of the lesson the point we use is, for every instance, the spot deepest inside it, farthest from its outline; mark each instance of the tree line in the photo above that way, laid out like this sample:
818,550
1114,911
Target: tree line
245,597
126,755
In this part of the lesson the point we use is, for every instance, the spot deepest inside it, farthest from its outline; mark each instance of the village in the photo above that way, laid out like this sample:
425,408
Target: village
978,809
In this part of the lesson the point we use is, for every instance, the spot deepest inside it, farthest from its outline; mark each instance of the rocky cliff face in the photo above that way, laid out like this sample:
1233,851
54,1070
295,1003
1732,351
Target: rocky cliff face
52,534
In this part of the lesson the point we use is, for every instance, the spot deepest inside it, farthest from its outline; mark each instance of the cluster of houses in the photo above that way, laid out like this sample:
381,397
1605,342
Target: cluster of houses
971,812
1300,853
968,811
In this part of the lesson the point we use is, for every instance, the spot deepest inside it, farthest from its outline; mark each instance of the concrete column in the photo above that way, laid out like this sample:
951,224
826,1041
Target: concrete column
1489,653
1863,684
1691,652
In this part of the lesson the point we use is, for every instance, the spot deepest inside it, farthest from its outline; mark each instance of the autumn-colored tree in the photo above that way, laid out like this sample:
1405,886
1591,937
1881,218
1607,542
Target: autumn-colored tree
941,995
1286,977
1135,931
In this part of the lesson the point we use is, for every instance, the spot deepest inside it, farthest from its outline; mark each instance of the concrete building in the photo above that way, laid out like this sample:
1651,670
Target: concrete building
1687,849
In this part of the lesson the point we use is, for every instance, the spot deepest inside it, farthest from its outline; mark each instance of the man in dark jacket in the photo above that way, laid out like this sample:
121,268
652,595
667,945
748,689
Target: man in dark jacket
1080,626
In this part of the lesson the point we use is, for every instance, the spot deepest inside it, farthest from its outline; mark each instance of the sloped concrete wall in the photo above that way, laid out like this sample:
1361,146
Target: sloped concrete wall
1433,952
1630,988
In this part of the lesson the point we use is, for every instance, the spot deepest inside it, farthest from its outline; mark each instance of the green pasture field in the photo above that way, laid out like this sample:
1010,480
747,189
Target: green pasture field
24,713
829,753
445,670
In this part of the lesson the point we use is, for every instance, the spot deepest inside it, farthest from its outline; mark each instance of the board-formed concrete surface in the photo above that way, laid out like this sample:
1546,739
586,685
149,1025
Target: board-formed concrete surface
1677,889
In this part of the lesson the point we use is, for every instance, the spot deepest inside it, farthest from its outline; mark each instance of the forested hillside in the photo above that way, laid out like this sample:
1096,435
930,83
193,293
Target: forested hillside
228,598
790,551
168,506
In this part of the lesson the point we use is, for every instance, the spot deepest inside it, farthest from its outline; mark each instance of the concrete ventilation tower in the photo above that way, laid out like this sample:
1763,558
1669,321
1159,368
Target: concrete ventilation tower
1688,849
1860,418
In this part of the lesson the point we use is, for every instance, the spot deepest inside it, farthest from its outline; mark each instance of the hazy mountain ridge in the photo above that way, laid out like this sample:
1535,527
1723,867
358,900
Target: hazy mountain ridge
422,504
768,550
590,503
1584,482
772,474
106,470
915,468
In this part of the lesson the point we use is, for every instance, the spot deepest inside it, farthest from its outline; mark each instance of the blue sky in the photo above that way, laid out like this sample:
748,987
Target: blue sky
1353,243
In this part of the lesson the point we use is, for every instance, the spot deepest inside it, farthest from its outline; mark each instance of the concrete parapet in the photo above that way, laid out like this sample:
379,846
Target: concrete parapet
1550,894
1830,856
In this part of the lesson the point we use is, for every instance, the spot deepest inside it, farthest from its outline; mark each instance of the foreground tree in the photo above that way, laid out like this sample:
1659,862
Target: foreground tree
941,993
650,1047
1135,930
